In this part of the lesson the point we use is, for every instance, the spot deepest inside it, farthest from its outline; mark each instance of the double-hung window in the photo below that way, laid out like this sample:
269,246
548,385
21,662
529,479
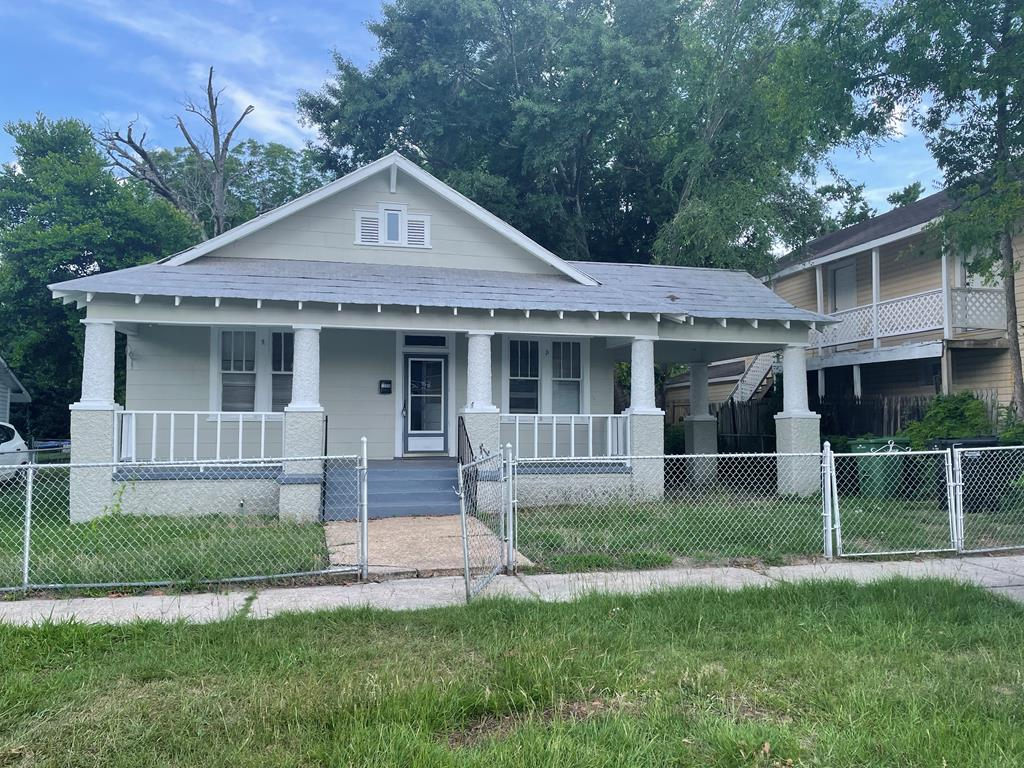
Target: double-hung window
545,376
523,376
282,351
566,377
238,370
254,373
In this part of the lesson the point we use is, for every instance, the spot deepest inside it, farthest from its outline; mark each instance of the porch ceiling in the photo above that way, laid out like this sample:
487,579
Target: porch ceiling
625,288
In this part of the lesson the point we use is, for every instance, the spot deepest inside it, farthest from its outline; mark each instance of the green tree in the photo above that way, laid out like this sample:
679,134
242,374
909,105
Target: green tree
64,215
602,128
766,89
959,64
909,194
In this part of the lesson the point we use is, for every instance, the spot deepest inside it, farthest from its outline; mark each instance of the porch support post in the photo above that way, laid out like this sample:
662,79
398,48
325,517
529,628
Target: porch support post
700,427
92,425
646,422
876,296
480,416
300,481
478,373
797,429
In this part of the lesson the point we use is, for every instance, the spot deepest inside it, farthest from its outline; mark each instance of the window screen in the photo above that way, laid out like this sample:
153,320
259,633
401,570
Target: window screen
566,377
524,376
282,352
238,370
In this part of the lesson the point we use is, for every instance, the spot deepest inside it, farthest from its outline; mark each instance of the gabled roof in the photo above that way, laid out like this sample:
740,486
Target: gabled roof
399,162
894,224
672,291
18,393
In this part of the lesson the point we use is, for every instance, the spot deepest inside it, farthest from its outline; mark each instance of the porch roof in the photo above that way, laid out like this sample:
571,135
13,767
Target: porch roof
675,291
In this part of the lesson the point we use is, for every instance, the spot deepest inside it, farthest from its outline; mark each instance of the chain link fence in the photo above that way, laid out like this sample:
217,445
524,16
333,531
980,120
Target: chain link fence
485,501
990,495
649,511
144,524
893,502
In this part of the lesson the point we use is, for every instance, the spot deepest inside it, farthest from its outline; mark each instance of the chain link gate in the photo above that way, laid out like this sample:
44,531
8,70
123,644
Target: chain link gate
989,490
486,504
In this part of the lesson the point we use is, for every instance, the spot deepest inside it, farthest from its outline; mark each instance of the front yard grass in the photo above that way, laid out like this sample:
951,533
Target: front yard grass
127,548
896,673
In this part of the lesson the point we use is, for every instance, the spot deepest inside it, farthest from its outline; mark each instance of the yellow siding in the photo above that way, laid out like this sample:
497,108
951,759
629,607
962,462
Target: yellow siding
906,269
981,370
798,289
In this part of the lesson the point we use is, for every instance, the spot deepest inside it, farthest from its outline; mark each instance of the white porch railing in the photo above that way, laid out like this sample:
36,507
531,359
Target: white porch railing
559,436
978,308
904,315
196,435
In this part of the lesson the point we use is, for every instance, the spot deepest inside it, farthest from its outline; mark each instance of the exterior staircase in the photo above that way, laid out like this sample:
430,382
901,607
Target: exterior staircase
755,380
410,487
399,488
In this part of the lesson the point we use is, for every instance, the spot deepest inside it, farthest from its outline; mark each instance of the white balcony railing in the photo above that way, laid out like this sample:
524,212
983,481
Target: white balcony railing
978,308
196,435
901,316
560,436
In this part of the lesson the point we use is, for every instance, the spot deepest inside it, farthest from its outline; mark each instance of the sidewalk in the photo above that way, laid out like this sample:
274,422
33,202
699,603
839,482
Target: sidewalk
1000,575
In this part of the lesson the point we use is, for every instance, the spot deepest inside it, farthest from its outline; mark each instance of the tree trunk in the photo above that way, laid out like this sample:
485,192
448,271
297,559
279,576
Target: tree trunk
1012,327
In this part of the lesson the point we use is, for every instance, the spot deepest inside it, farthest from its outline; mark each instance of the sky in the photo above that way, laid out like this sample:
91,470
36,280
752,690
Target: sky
111,61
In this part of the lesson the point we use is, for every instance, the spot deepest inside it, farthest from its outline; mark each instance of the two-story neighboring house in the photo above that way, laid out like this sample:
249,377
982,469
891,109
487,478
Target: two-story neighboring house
913,318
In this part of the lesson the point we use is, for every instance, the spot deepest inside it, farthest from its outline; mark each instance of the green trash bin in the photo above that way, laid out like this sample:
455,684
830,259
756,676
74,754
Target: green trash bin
881,474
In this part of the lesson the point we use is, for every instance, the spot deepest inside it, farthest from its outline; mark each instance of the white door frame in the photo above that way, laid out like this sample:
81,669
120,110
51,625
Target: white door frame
401,350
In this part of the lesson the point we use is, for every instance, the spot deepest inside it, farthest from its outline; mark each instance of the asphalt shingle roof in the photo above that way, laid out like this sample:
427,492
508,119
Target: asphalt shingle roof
624,287
888,223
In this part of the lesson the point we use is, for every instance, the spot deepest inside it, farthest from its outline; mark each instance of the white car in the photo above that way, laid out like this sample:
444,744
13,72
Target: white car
13,451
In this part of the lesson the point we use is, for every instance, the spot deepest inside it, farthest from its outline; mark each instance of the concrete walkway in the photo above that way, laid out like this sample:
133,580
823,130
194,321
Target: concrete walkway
1000,575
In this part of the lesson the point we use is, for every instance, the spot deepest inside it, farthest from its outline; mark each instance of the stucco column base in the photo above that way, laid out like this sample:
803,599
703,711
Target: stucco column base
647,438
300,481
484,430
701,433
798,433
92,493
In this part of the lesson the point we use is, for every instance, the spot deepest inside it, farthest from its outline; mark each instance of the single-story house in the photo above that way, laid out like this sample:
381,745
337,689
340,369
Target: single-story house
387,305
11,391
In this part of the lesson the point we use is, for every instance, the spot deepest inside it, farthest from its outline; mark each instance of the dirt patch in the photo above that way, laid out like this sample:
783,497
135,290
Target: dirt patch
491,727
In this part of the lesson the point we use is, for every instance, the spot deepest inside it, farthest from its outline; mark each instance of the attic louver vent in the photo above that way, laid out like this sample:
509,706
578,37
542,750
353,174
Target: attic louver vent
369,228
416,232
413,228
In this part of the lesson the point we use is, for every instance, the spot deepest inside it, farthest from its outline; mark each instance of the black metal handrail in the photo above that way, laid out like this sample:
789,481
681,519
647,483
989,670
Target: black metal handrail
466,453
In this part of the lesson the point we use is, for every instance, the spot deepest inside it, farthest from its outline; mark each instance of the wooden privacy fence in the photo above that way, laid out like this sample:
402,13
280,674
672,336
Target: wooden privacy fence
746,425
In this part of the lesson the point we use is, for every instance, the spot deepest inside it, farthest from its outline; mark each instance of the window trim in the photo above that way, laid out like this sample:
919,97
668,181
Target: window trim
546,378
404,217
263,371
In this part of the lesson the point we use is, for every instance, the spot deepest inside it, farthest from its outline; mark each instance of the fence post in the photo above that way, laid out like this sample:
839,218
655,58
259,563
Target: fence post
955,498
826,498
465,535
26,547
364,516
509,503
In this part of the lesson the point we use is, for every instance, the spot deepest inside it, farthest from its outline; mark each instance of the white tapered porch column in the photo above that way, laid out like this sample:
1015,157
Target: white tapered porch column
92,424
479,415
700,427
300,481
646,421
478,373
797,429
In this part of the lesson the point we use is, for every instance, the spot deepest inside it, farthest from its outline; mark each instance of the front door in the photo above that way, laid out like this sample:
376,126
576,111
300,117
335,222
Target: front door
426,404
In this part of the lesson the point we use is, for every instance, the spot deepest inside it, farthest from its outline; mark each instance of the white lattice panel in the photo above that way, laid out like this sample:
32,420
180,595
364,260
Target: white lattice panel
910,314
982,308
854,325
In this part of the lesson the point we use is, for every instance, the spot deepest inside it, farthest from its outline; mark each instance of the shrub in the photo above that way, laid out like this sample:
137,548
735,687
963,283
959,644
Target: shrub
1011,428
675,440
959,415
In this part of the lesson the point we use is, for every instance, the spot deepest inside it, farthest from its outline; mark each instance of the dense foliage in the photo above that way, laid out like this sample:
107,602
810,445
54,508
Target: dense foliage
683,131
959,415
64,215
